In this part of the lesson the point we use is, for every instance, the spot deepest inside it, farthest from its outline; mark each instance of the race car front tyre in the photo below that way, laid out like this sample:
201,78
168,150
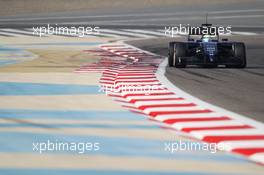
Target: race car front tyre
179,54
171,54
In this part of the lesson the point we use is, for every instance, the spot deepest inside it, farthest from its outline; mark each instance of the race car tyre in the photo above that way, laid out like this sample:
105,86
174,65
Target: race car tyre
179,53
171,54
239,51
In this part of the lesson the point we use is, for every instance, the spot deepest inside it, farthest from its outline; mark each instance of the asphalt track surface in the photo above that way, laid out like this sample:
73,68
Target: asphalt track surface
238,90
242,15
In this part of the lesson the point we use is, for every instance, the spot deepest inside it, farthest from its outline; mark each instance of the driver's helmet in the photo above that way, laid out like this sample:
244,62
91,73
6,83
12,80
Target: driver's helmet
206,38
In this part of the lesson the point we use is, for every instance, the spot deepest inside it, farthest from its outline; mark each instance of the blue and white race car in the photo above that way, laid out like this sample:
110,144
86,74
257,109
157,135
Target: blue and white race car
208,51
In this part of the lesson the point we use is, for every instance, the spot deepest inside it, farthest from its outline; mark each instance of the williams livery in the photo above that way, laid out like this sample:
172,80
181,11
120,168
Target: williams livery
207,51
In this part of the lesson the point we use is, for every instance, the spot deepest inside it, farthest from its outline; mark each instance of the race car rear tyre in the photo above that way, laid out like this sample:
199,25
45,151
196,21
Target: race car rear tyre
179,53
239,51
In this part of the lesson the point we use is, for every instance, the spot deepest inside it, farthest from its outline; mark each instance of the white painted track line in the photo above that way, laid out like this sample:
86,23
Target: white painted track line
181,125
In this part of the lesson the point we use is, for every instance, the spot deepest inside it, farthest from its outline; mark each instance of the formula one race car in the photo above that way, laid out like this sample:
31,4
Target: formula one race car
208,51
